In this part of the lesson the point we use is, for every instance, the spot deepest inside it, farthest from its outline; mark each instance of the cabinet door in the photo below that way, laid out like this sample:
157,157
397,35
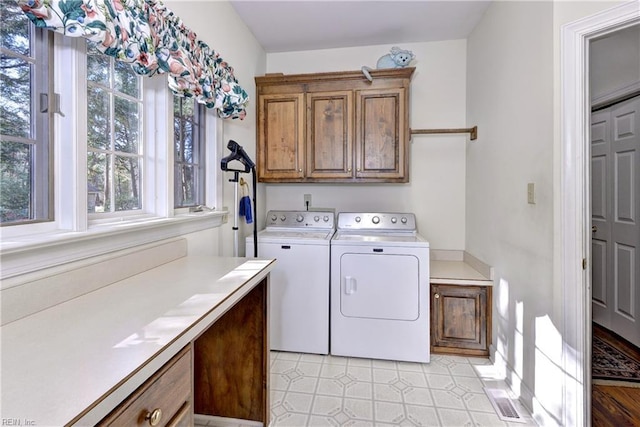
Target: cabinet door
381,134
460,319
281,137
329,134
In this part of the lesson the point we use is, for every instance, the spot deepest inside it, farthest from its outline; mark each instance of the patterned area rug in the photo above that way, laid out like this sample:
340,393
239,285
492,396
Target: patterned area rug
609,363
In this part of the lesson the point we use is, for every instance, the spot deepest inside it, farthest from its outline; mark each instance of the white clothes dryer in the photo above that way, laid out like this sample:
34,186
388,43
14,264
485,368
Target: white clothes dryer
380,288
299,282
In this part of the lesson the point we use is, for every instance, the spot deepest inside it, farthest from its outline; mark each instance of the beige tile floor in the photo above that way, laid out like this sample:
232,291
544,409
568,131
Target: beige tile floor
314,390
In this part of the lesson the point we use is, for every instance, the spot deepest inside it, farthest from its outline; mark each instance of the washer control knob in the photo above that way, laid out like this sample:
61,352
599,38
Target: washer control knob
325,218
376,219
358,219
274,217
403,219
300,218
394,219
316,218
283,217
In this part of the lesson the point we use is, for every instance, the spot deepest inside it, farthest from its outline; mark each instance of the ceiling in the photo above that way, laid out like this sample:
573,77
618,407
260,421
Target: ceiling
284,26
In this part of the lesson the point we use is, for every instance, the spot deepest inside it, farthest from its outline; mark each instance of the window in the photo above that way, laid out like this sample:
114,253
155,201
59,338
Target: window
25,163
114,135
189,157
108,164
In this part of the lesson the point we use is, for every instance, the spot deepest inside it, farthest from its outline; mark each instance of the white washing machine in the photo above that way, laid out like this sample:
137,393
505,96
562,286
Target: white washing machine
380,288
299,282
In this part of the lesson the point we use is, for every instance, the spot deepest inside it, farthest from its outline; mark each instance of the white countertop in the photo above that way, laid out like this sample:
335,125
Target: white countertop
94,350
456,273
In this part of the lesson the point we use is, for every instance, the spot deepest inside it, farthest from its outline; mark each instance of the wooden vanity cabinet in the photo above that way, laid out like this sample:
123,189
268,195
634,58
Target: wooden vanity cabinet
460,319
334,127
165,399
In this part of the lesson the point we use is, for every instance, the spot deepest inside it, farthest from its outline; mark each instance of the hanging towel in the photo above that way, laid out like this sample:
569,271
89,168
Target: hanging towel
245,203
245,209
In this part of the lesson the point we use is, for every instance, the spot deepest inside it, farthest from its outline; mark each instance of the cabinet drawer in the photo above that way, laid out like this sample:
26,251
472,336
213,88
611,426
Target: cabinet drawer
168,390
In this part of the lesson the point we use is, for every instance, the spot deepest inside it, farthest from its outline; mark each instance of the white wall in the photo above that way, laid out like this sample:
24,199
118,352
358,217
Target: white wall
514,97
614,61
510,98
217,24
436,191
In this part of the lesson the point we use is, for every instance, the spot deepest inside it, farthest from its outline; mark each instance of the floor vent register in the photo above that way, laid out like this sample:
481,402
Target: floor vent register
503,405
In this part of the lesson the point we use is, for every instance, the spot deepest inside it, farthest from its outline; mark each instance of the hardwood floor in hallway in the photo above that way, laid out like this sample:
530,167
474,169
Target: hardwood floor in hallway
615,406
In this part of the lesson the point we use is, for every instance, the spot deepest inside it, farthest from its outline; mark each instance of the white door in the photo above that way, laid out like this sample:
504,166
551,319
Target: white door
615,161
600,221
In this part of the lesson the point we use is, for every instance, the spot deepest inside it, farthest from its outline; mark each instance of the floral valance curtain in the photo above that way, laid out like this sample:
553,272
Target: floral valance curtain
153,40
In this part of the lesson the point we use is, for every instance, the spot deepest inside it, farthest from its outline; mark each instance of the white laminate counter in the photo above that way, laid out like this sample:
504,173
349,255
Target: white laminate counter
456,273
94,350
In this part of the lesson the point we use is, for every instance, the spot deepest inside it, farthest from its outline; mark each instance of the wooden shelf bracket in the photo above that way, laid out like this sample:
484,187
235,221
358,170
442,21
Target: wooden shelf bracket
472,131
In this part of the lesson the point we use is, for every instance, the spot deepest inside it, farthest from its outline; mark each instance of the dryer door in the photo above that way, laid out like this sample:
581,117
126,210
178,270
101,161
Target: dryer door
379,286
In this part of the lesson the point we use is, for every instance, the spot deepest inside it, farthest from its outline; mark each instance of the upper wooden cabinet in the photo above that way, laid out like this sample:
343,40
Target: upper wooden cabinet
282,118
329,134
334,127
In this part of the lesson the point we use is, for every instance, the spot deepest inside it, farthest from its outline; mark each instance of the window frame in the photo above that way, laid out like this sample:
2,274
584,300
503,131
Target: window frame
42,196
111,153
199,147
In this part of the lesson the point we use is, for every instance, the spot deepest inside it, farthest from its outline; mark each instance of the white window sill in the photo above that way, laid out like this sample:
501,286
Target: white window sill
31,253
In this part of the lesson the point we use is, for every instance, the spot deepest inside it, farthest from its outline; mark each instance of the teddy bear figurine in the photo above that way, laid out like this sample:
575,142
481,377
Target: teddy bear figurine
397,58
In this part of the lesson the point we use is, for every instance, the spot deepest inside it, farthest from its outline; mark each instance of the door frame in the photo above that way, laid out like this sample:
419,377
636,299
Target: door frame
575,203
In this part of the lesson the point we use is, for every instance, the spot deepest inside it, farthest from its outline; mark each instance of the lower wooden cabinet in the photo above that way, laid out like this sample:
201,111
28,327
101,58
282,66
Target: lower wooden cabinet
165,399
223,373
460,319
231,362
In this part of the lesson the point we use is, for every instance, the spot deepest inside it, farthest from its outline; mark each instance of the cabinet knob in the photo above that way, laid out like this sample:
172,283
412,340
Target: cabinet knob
349,170
358,170
299,170
154,417
436,296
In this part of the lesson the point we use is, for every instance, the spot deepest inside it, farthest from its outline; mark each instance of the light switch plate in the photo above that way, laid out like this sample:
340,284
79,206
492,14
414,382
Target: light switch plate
531,193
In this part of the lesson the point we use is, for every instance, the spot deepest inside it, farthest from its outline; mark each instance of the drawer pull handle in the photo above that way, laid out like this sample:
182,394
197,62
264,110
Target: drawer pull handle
154,417
436,296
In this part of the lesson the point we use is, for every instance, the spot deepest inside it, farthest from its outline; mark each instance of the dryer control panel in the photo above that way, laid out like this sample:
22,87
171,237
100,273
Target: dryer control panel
301,219
376,221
